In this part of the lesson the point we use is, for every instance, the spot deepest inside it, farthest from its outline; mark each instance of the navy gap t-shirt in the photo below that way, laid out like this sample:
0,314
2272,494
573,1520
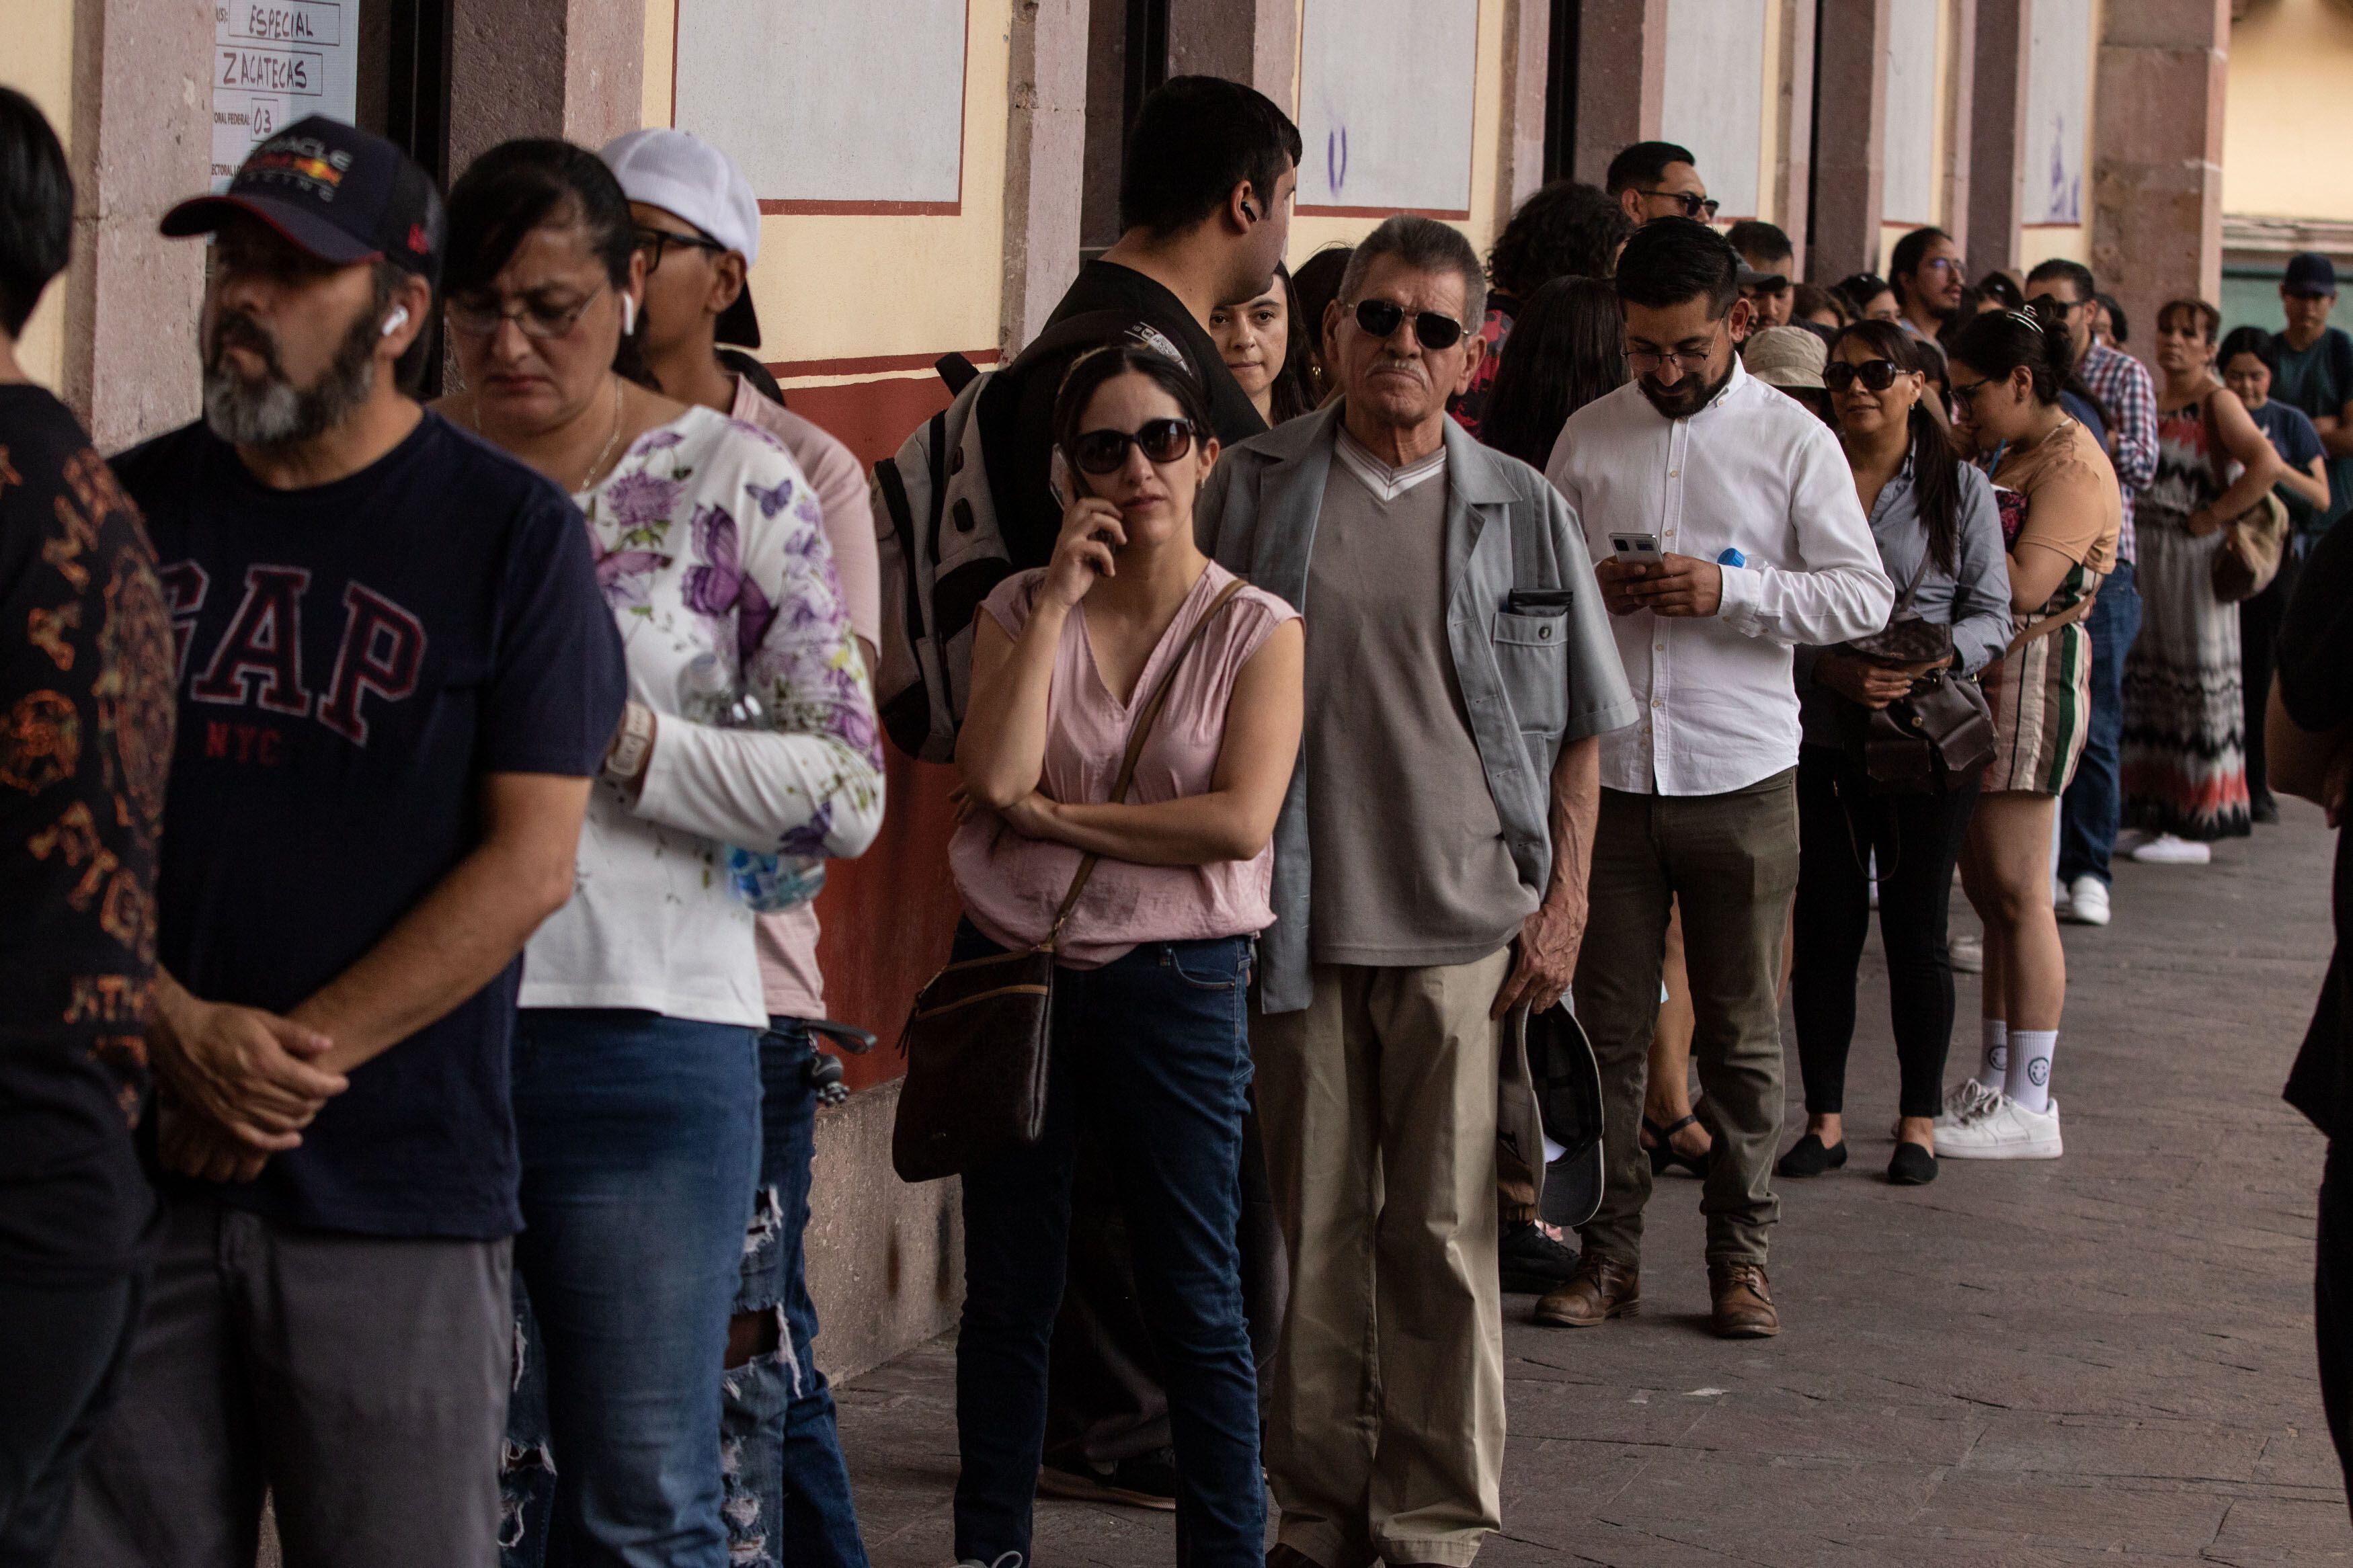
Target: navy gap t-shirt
354,657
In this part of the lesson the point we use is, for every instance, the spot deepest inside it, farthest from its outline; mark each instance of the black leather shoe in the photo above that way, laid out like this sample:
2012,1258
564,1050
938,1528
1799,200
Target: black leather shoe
1807,1157
1533,1262
1912,1166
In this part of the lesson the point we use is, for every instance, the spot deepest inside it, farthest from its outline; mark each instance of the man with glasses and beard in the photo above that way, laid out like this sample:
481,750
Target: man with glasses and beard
1652,180
396,678
1725,525
1429,881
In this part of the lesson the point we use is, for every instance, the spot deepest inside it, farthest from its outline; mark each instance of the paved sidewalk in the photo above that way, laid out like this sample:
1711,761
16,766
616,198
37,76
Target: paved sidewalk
2103,1359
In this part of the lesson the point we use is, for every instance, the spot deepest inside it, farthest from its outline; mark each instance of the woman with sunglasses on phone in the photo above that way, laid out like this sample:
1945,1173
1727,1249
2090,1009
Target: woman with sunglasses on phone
1150,1056
1939,537
635,1068
2061,513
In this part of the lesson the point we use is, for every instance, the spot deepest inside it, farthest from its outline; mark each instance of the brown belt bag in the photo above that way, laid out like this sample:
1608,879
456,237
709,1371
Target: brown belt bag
979,1036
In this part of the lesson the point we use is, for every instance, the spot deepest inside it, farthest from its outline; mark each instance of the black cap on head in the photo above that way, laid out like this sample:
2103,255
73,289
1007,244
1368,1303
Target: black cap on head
337,192
2309,272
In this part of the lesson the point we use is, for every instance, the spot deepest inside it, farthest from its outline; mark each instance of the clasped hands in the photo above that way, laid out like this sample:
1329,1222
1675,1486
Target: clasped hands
239,1083
1679,586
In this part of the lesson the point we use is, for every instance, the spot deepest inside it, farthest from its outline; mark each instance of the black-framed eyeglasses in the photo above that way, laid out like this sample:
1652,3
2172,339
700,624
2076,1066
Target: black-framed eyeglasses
1966,396
1875,375
1102,452
2048,308
1694,204
1432,330
655,241
535,316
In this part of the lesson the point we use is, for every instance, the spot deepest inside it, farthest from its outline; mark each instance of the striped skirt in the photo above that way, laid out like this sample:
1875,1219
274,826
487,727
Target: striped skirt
2183,755
2041,701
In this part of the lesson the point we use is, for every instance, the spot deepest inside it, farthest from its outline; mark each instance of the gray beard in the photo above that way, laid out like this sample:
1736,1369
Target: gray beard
272,412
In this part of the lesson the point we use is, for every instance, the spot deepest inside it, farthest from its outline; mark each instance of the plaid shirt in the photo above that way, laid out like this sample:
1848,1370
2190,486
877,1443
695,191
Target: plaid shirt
2122,384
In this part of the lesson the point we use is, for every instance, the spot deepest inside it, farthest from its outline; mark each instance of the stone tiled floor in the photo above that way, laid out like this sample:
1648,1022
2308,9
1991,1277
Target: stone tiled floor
2104,1359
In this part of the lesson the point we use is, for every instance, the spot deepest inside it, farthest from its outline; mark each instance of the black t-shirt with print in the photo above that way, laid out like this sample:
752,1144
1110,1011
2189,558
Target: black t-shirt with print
353,659
2315,685
1018,409
85,743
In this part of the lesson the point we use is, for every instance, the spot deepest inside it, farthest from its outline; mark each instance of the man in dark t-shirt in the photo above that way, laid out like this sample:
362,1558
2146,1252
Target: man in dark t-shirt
396,677
85,737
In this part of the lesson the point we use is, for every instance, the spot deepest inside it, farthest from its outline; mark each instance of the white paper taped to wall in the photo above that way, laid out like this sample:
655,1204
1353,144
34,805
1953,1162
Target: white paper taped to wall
275,62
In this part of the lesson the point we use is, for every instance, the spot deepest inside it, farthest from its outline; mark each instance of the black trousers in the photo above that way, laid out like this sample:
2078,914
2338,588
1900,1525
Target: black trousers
62,1350
2259,630
1917,838
2332,1298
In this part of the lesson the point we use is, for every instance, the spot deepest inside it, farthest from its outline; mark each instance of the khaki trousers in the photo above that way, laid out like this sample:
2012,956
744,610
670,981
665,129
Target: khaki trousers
1730,862
1385,1421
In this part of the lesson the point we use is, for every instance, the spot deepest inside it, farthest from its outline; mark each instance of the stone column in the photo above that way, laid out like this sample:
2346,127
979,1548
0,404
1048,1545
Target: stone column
1996,128
2157,151
1253,41
142,140
574,69
1527,61
1793,161
1961,79
1850,140
1045,162
1621,80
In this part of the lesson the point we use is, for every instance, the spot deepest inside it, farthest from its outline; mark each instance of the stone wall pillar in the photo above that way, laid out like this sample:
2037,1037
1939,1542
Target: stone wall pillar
1793,161
142,141
1045,163
1528,71
1995,128
2157,151
574,69
1250,41
1960,109
1621,80
1850,140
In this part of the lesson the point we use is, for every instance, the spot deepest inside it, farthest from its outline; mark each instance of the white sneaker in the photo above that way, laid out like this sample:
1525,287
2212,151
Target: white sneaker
1965,1102
1968,954
2087,905
2165,849
2007,1132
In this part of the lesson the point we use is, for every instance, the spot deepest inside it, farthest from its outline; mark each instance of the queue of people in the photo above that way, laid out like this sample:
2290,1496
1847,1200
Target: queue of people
1383,657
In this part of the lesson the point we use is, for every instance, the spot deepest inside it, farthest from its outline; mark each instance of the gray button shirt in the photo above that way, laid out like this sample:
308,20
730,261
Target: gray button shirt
1973,598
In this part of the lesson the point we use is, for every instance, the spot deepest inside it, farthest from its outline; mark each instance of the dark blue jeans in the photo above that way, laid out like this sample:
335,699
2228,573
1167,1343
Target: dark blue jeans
641,1136
1152,1053
2093,808
788,1501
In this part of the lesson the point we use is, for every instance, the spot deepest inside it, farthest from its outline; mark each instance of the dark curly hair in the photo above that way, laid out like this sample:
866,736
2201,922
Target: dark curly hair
1564,230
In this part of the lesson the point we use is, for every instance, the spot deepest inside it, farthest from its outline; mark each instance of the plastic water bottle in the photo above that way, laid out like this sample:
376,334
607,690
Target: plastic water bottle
764,880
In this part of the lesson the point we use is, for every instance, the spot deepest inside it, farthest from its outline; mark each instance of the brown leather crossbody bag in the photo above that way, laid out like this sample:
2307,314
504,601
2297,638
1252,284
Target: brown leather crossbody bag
979,1037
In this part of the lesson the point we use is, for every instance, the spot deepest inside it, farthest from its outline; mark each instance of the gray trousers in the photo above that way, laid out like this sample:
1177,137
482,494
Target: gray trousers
1730,863
363,1380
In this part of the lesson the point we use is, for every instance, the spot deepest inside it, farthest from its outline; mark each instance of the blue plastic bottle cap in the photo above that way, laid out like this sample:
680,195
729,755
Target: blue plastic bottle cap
1731,558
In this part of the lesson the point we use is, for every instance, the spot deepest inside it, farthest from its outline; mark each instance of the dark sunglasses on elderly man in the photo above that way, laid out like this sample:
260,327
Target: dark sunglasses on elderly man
1432,330
1876,375
1101,452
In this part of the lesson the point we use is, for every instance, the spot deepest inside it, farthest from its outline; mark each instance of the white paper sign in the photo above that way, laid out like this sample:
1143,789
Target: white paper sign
275,62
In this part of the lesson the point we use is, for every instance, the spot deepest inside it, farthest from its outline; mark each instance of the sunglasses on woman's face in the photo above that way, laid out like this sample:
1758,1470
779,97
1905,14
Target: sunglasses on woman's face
1432,329
1102,452
1875,375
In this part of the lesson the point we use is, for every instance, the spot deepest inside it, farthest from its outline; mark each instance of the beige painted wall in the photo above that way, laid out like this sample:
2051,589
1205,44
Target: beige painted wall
36,59
2291,103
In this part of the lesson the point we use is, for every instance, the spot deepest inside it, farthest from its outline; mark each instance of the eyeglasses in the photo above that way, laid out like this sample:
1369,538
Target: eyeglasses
655,241
536,318
1694,204
1432,329
1966,396
1693,361
2046,308
1875,375
1102,452
1944,264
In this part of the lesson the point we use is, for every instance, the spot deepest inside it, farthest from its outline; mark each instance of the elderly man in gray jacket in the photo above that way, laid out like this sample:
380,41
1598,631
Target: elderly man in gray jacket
1429,882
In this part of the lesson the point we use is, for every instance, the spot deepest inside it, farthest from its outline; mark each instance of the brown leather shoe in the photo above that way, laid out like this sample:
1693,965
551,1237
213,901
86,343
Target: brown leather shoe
1743,1301
1602,1287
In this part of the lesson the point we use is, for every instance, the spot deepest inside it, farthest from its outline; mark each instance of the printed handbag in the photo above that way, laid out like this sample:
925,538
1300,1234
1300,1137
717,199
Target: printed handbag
978,1038
2252,541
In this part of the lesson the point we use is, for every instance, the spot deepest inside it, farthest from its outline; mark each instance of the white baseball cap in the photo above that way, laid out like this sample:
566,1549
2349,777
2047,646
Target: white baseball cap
687,177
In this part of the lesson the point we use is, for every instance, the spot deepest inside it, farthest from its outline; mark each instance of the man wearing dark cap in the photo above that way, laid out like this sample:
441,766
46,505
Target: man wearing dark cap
2316,373
396,679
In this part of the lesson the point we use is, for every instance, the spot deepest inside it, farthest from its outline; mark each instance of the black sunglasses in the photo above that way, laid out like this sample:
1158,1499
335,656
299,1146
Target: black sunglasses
1876,375
1694,205
1431,330
1102,452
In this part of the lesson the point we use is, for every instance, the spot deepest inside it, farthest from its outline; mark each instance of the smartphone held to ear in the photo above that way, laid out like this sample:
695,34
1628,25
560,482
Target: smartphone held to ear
1636,549
1058,478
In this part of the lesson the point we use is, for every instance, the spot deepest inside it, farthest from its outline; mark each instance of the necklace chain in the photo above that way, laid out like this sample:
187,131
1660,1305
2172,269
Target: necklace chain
475,414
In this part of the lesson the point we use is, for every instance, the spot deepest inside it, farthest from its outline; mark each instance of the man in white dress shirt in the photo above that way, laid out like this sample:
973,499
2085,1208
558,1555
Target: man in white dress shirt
1761,545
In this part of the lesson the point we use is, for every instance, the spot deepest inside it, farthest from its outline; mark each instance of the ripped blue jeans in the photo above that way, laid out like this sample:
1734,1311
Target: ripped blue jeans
787,1491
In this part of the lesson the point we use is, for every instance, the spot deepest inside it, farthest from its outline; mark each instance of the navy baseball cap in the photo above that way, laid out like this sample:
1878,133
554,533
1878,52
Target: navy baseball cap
2309,272
335,191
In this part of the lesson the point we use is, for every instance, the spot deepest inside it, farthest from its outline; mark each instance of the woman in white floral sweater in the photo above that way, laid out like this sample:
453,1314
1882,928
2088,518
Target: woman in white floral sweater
637,1085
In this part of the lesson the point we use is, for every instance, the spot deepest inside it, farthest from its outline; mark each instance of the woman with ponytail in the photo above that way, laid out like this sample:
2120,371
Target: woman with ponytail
1939,537
2061,513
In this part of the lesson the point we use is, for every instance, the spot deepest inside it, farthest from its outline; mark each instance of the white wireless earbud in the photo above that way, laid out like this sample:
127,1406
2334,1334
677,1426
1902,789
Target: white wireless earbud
393,323
628,315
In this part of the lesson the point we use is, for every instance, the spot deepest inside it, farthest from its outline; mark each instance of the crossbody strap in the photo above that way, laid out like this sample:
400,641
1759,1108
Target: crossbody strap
1136,736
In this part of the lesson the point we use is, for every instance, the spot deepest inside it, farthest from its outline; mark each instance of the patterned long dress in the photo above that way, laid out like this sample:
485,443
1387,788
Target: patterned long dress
2184,749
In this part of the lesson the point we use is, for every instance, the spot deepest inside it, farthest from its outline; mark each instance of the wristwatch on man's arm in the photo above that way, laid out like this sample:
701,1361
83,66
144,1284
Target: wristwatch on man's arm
633,742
